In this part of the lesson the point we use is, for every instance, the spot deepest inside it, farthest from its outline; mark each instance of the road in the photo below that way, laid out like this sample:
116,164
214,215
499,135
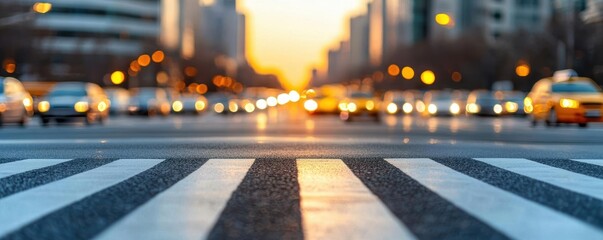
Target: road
275,175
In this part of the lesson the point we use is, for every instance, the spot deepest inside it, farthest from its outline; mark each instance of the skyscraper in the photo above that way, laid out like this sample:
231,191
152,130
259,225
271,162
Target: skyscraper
383,24
359,41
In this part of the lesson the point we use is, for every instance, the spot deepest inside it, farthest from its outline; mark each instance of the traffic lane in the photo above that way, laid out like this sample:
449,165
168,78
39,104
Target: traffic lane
302,147
508,129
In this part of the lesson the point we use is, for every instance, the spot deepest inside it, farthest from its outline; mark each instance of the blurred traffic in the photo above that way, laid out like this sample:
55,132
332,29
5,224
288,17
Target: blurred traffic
564,98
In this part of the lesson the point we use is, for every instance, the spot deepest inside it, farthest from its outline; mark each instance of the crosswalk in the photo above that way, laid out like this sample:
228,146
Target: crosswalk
364,198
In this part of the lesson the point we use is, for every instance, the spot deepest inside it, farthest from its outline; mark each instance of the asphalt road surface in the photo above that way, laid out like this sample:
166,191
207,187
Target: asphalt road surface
287,175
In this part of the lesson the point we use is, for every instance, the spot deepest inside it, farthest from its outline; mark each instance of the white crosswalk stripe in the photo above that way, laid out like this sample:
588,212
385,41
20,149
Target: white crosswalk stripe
510,214
24,207
356,214
187,210
598,162
16,167
559,177
334,202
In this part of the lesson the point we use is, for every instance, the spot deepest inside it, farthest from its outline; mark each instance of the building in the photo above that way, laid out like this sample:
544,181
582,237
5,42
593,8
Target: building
86,40
464,15
593,12
223,30
383,25
414,21
511,16
359,41
338,62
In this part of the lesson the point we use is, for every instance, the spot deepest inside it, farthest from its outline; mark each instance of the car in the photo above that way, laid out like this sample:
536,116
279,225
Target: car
191,103
321,103
565,98
359,104
149,101
440,103
395,102
223,103
119,98
484,103
68,100
512,103
16,104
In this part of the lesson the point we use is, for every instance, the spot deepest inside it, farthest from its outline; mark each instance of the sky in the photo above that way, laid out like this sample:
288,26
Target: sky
289,37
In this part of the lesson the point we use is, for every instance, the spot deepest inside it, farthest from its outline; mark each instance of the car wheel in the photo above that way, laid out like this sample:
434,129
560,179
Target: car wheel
45,121
583,125
533,121
23,121
87,120
551,120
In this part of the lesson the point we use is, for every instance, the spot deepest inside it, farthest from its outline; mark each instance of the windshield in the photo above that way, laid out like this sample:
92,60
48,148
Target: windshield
68,92
575,88
361,95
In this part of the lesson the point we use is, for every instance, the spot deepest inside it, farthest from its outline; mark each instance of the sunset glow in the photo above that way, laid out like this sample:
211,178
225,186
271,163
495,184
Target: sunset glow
289,37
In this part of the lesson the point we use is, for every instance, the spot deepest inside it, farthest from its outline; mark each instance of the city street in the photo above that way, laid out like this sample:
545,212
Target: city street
275,174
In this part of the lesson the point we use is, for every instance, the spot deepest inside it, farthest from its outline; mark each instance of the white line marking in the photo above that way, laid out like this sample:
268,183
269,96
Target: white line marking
188,209
335,204
598,162
24,207
559,177
21,166
512,215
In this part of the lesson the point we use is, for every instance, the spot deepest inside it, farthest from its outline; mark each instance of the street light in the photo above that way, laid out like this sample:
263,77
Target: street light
443,19
408,73
428,77
117,77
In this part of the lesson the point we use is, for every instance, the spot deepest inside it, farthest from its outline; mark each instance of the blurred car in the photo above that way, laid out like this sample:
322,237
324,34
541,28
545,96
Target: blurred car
395,102
512,103
565,98
16,104
484,103
119,98
69,100
149,101
321,103
190,103
222,103
440,103
359,104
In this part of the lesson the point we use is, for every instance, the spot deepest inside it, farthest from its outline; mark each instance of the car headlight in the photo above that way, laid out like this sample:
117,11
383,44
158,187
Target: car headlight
392,108
432,109
352,107
102,106
455,108
249,107
233,107
261,104
27,102
81,106
219,107
370,105
511,107
43,106
310,105
199,106
497,109
343,107
569,103
473,108
177,106
407,108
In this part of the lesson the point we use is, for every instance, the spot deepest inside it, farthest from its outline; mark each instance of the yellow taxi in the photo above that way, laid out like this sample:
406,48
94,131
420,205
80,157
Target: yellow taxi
359,104
565,98
321,101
